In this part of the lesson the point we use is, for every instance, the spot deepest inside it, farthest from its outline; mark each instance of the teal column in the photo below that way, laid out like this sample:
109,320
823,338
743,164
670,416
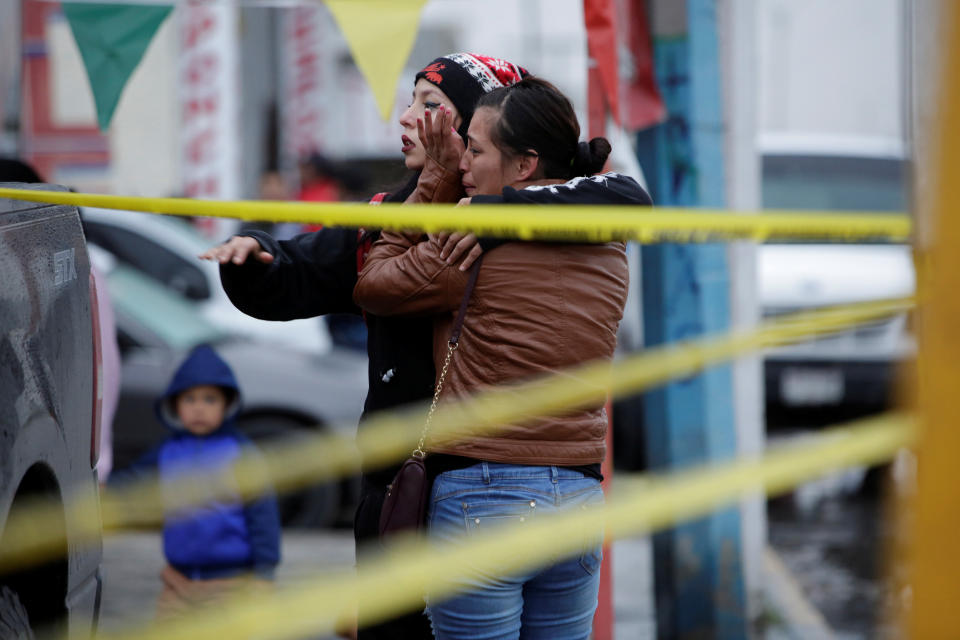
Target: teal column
698,573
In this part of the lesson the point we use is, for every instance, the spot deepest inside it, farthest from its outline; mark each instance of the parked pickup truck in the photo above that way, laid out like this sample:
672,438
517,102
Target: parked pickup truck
49,411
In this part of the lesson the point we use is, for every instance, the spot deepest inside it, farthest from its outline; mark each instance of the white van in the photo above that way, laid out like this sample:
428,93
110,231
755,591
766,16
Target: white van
854,369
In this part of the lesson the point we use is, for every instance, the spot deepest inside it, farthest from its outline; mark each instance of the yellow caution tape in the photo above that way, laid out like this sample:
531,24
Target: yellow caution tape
395,582
569,223
32,534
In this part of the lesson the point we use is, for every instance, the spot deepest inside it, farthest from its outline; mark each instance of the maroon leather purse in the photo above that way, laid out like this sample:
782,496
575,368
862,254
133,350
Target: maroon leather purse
405,505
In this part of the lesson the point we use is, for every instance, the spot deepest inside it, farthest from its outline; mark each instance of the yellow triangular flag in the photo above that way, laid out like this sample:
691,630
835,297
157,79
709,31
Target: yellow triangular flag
381,35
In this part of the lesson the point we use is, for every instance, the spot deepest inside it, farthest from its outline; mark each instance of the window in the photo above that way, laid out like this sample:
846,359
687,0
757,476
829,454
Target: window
153,259
828,182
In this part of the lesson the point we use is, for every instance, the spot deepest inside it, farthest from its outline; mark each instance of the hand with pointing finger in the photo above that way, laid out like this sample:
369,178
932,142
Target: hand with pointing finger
237,250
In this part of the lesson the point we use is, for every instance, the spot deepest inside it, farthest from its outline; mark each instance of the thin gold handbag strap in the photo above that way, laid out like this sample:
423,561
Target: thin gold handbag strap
452,345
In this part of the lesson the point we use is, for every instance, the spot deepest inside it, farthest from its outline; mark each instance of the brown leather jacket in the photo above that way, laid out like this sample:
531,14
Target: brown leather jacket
536,309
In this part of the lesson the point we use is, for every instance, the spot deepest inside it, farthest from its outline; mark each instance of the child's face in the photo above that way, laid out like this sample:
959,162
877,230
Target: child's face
201,409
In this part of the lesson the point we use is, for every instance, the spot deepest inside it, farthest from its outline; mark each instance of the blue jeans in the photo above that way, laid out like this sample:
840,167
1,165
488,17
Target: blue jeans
555,602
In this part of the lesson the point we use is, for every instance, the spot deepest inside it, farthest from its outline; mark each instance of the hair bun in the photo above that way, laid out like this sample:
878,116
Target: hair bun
590,157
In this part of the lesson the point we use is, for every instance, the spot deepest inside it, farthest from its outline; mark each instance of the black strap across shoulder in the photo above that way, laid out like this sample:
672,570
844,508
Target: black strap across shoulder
458,325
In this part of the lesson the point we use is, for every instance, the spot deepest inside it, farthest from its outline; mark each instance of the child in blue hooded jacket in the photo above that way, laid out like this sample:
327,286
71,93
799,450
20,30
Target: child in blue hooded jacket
216,546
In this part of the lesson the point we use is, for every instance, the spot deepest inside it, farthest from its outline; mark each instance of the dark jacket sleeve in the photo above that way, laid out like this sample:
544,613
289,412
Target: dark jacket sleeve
263,526
312,274
606,188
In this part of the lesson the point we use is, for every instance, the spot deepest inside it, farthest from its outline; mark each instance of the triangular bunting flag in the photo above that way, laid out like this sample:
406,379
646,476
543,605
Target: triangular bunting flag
112,39
381,34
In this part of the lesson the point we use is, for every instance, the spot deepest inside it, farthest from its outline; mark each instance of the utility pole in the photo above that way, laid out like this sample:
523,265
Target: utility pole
935,93
698,568
739,72
935,558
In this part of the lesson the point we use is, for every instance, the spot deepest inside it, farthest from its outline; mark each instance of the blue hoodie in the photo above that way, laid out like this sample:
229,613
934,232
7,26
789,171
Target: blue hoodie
221,538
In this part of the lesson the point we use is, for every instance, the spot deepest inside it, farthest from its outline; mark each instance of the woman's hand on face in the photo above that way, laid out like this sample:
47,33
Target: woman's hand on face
237,250
454,246
440,140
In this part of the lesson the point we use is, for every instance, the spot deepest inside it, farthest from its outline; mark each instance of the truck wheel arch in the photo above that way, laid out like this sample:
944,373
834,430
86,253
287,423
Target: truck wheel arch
39,590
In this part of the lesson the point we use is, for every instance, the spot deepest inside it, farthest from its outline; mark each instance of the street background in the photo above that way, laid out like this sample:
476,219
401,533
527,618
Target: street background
744,105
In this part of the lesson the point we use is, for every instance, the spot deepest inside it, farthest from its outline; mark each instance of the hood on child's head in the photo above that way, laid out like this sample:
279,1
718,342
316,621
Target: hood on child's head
202,367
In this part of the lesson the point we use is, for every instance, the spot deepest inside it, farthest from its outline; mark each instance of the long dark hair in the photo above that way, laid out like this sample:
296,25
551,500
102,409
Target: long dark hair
535,118
401,194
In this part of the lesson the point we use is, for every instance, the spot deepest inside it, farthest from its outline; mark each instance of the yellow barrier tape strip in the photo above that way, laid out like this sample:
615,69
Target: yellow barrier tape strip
570,223
388,437
395,582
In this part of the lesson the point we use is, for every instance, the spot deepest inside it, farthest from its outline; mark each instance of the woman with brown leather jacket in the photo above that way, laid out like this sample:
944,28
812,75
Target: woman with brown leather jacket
536,308
314,274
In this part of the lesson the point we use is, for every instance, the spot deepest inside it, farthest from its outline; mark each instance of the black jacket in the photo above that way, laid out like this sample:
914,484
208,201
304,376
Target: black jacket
314,274
610,188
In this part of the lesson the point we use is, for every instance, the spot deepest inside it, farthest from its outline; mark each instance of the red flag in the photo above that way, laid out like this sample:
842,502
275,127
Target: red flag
644,106
596,104
620,26
598,17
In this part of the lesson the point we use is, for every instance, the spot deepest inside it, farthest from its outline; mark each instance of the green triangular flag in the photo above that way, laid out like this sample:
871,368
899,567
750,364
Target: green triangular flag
112,39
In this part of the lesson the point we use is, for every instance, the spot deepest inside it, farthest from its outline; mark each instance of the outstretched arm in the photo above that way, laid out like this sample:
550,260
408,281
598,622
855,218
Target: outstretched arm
309,275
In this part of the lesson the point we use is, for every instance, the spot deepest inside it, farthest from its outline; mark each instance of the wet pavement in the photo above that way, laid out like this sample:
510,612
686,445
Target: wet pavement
830,536
132,563
834,538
